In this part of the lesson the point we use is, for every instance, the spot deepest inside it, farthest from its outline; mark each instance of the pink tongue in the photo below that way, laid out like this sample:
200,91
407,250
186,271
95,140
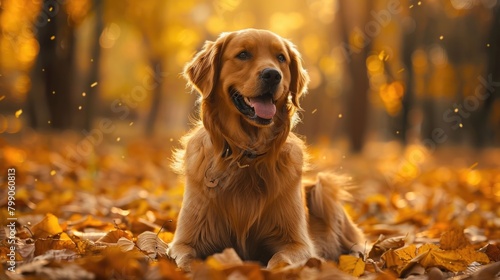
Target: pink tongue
264,108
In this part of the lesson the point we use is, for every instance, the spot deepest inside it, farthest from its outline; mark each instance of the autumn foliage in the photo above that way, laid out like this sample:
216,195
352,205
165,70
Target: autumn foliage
111,216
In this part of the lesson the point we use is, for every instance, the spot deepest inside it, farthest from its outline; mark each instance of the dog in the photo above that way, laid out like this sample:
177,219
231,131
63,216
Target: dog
243,165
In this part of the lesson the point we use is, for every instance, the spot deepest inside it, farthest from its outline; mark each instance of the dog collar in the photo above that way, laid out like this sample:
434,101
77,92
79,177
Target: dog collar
246,153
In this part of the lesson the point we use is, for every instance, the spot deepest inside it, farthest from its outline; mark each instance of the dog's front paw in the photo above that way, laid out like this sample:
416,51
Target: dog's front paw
182,254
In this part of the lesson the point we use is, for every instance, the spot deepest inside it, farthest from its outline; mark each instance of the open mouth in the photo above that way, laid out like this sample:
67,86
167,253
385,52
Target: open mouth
260,109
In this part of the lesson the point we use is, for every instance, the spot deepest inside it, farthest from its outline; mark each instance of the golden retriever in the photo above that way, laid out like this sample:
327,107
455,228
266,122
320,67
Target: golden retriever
243,165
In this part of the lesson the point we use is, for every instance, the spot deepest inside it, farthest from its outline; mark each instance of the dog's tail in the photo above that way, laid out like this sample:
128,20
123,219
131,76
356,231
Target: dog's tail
333,231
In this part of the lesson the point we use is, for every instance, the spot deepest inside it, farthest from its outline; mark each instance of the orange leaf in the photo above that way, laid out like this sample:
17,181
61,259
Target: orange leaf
392,260
454,239
47,227
352,265
169,270
383,244
452,260
407,253
114,235
59,242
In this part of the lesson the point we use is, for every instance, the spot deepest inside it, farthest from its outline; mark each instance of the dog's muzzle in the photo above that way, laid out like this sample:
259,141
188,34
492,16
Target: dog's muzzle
261,108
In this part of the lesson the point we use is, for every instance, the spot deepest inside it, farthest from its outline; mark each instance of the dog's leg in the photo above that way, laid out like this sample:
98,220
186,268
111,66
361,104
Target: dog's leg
290,241
189,225
183,254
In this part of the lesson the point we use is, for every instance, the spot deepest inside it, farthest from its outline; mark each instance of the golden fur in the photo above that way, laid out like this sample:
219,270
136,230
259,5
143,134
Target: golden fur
243,168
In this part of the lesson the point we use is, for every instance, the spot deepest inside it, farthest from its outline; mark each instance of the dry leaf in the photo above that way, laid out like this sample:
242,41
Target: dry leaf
168,270
407,253
493,252
113,263
490,271
115,235
452,260
454,239
58,242
227,258
393,261
125,244
47,227
351,265
149,242
383,244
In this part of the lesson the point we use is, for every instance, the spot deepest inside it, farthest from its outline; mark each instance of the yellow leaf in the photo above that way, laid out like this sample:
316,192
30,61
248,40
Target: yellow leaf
407,253
352,265
392,260
383,244
469,254
452,260
115,235
454,239
58,242
46,227
166,236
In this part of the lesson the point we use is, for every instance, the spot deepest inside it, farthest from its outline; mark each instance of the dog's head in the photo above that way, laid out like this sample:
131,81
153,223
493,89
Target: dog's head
252,74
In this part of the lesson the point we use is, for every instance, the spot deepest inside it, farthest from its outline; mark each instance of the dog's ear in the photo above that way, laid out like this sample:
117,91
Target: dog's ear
300,78
203,70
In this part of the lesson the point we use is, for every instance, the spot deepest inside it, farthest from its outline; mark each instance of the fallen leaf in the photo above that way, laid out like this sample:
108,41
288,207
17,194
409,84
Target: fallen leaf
490,271
351,265
115,235
393,261
227,258
125,244
149,242
169,270
57,242
384,244
454,239
493,252
47,227
452,260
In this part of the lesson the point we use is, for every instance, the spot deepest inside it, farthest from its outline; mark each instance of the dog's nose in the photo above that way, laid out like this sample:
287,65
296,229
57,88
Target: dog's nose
270,76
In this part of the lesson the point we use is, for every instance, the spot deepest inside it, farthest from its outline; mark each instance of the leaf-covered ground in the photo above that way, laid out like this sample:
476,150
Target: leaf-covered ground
92,209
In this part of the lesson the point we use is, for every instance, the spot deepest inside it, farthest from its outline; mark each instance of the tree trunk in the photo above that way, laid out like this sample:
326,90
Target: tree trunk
357,94
93,76
53,71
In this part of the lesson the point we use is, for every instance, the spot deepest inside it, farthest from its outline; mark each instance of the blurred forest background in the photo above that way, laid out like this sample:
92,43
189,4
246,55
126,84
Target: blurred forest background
406,71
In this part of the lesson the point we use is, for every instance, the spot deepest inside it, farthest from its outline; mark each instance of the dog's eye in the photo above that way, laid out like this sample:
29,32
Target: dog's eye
281,58
244,55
